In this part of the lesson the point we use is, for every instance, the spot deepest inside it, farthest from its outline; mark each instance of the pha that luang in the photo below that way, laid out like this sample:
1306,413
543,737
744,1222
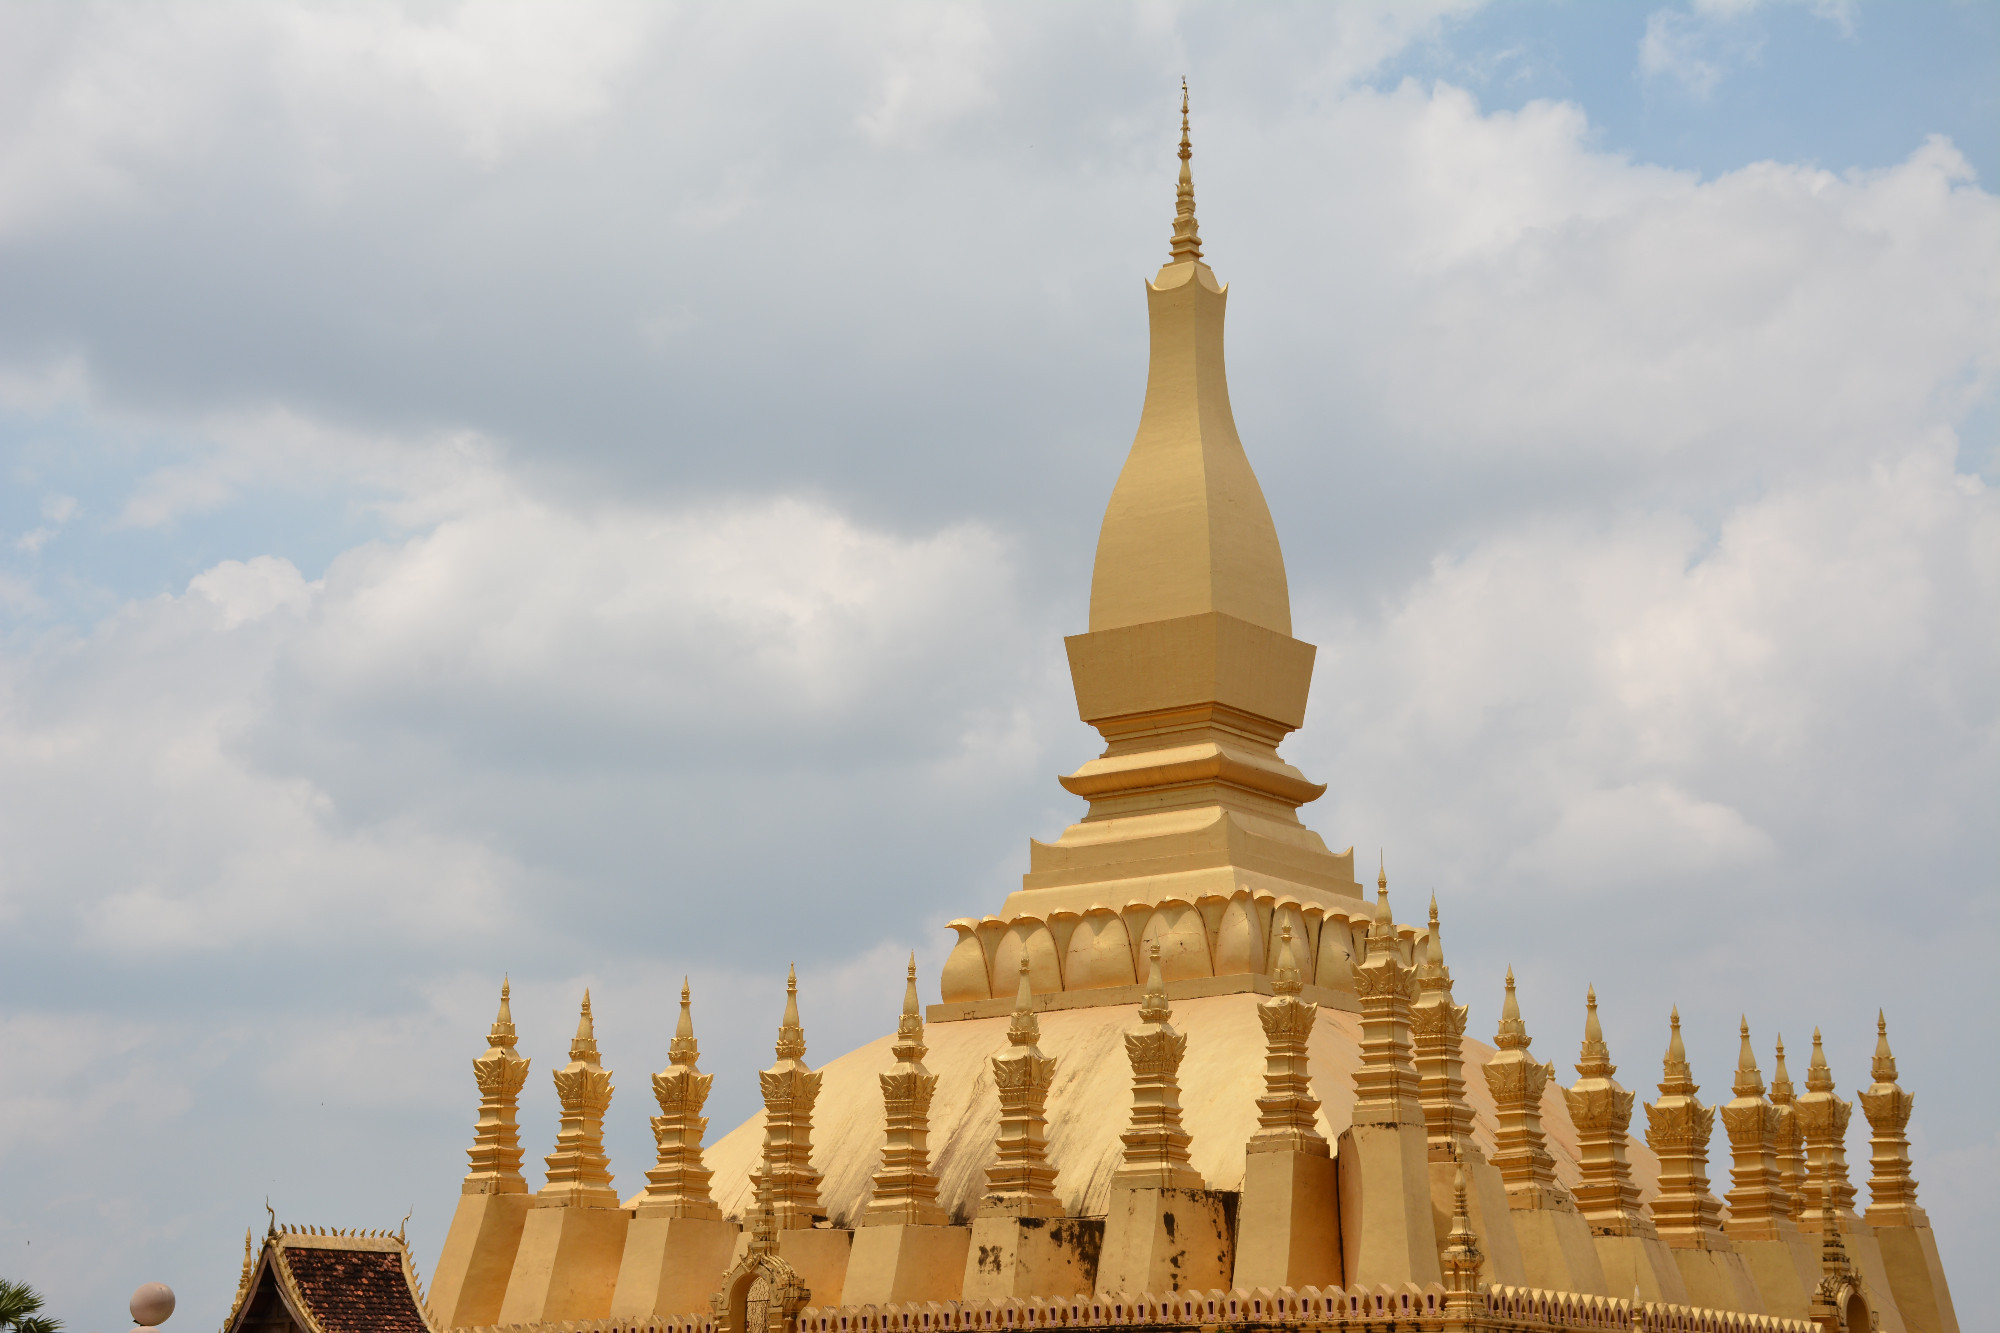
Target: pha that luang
1190,1073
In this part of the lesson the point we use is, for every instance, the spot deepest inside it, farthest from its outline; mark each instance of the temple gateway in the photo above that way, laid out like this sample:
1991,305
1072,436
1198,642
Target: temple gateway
1192,1072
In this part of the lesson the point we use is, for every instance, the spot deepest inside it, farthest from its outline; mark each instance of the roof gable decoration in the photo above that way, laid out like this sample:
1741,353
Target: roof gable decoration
330,1280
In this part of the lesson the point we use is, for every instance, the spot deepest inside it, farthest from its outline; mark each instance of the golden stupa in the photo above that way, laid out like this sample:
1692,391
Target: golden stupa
1192,1072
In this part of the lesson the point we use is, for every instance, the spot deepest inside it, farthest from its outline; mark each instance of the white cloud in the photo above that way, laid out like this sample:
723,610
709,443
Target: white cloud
518,618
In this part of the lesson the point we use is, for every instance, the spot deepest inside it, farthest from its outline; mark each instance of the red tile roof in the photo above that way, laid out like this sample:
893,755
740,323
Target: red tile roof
355,1291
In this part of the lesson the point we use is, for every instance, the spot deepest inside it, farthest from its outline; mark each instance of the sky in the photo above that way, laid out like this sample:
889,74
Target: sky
594,493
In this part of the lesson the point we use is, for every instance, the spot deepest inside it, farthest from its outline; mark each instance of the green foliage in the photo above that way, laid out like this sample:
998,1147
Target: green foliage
21,1310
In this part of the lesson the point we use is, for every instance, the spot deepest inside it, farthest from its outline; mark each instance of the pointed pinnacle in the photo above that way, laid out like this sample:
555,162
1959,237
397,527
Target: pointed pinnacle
1749,1080
502,1033
791,1036
1595,1059
1154,1008
683,1050
1819,1074
584,1047
1512,1034
1186,245
1024,1029
910,1003
1285,977
1883,1067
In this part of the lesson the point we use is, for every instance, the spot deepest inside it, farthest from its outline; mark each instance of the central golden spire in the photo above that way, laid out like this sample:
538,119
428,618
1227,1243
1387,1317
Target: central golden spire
1189,669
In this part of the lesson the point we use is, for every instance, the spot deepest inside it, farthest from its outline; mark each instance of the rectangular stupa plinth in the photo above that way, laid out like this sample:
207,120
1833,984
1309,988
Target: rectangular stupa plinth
1288,1221
671,1265
1019,1258
905,1262
567,1265
1164,1240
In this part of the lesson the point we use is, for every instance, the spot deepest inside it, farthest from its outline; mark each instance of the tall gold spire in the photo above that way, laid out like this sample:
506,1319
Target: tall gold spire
1156,1145
1437,1035
578,1171
677,1186
905,1188
1790,1138
1020,1182
1892,1190
1823,1118
1758,1209
788,1185
1601,1110
1385,1086
1287,1113
1516,1080
496,1139
1186,247
1678,1128
1189,669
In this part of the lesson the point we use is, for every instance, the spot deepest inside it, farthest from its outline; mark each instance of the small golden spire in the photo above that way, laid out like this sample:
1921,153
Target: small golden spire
791,1036
1434,953
1461,1256
1749,1079
1677,1079
1186,246
1384,929
502,1034
1285,977
1595,1059
1513,1033
909,1047
1154,1008
683,1050
1781,1079
1883,1070
1819,1075
584,1047
1024,1029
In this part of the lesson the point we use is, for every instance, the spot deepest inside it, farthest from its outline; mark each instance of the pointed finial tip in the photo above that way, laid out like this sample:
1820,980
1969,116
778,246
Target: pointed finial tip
1675,1015
1881,1023
1510,976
